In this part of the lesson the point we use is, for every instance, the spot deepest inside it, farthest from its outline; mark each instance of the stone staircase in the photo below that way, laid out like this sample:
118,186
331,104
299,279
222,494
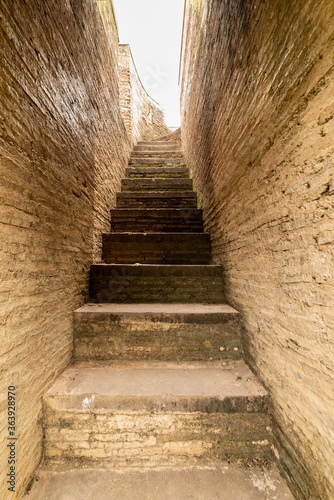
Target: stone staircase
158,377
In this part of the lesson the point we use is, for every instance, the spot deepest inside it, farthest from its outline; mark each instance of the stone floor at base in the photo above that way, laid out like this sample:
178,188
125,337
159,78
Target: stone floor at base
226,482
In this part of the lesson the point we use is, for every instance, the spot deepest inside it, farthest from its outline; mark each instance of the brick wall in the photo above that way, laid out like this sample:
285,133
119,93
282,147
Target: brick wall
143,117
63,150
258,127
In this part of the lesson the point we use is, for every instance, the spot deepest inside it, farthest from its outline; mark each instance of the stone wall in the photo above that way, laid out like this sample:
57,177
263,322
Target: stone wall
258,128
64,150
143,117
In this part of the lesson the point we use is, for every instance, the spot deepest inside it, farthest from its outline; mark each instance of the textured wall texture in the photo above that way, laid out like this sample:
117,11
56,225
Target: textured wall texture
143,117
63,151
258,128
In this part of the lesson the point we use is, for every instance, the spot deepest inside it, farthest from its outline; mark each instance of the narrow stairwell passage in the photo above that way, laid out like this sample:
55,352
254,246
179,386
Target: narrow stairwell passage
158,384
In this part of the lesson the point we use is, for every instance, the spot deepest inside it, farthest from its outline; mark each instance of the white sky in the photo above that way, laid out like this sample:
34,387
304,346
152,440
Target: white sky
153,28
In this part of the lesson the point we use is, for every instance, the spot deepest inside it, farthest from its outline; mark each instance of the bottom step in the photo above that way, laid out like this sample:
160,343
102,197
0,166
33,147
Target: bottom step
156,413
227,482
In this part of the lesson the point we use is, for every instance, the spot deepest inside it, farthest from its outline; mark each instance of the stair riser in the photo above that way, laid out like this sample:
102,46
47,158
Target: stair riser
156,154
146,438
156,148
166,248
156,200
142,285
119,225
167,144
110,337
151,224
156,220
157,173
161,161
157,185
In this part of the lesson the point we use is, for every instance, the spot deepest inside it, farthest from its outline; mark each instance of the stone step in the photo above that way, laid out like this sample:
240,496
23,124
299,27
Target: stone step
157,413
162,199
158,172
158,147
168,144
156,220
142,283
157,185
156,248
142,162
157,154
227,481
166,332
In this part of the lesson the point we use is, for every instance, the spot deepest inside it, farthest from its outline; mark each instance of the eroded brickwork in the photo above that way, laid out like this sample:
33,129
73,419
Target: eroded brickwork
144,118
63,153
149,438
258,127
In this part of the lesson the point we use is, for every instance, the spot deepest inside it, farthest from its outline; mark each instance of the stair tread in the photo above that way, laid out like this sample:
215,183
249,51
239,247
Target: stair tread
164,158
158,169
159,150
177,161
168,181
235,481
159,211
159,235
154,382
157,184
165,269
158,143
172,171
153,309
158,194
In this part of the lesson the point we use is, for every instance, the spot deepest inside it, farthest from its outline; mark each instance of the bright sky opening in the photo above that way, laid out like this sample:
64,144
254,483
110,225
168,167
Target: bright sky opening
153,28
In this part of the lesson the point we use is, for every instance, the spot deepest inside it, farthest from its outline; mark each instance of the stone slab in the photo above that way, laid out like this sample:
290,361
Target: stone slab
157,172
160,153
156,220
154,413
156,386
169,332
169,144
157,161
184,313
157,184
226,482
156,248
142,283
160,147
160,199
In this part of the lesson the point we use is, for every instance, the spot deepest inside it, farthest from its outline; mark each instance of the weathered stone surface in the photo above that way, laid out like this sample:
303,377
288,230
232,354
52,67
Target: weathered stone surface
187,483
156,220
162,199
156,331
163,161
156,248
185,413
156,283
156,154
157,184
154,146
157,172
258,138
143,117
63,152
